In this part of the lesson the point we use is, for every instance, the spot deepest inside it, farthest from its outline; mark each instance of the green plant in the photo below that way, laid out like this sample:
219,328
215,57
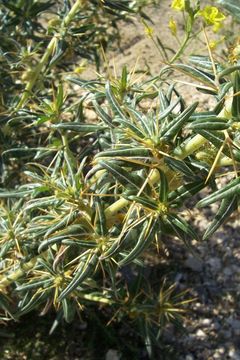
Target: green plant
85,202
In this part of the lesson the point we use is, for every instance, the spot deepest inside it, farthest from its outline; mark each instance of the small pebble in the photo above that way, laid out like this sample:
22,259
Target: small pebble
206,322
215,264
233,354
193,263
189,357
227,272
201,334
112,355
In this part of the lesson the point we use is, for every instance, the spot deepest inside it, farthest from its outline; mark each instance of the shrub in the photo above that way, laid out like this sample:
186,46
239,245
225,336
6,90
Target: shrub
83,203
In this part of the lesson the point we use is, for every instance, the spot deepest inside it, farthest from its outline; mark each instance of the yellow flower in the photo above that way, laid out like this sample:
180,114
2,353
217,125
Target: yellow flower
81,67
172,26
212,16
148,30
217,27
178,4
213,44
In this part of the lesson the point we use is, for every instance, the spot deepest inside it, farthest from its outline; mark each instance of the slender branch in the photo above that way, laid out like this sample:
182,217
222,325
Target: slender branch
181,49
121,203
189,147
35,75
15,275
49,51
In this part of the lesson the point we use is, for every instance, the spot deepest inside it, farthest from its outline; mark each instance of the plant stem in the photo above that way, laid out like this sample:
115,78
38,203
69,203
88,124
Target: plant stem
181,49
96,298
189,147
121,203
116,207
49,51
38,69
72,12
225,161
15,275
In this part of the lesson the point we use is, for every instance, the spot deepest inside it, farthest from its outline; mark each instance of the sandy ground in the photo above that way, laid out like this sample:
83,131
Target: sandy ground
139,52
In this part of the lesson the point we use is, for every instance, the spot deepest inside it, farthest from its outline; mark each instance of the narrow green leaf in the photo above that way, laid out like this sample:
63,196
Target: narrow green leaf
65,221
202,61
23,153
144,240
227,207
79,128
163,114
124,79
179,166
236,98
15,194
202,115
43,203
50,242
60,50
180,224
114,103
142,120
100,220
171,130
125,124
34,285
102,114
163,187
146,202
228,71
196,74
210,124
185,192
59,98
124,152
217,138
121,175
122,5
233,6
68,310
85,270
231,189
34,302
75,230
120,243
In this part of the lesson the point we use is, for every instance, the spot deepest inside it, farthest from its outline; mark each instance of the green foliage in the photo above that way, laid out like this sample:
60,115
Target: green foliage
232,6
82,204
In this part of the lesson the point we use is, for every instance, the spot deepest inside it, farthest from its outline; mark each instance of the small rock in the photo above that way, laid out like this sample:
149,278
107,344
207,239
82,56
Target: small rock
227,272
189,357
235,325
90,115
216,325
227,334
193,263
112,355
201,334
215,264
221,350
233,354
206,322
